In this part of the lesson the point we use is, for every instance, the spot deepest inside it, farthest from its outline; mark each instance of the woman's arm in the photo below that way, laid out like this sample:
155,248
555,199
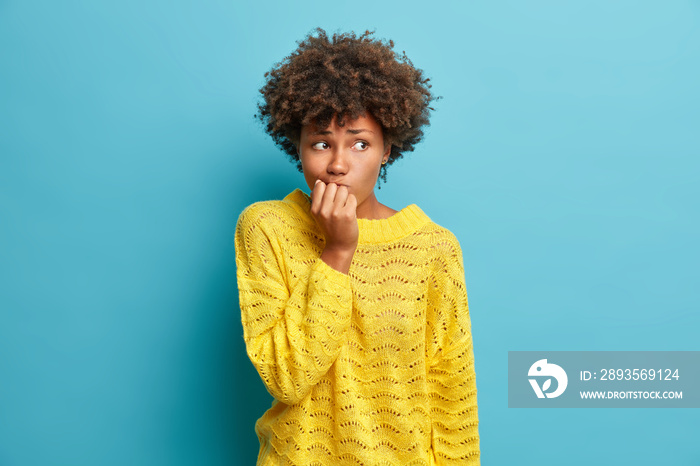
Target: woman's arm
294,333
451,375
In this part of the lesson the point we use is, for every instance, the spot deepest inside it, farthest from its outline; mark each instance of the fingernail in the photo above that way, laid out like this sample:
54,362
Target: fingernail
316,182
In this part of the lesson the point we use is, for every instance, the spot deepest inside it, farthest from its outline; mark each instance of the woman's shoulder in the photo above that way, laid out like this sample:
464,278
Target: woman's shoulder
271,214
262,212
437,233
441,240
262,207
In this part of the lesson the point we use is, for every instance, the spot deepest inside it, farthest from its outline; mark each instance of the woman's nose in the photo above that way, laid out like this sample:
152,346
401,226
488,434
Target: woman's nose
338,163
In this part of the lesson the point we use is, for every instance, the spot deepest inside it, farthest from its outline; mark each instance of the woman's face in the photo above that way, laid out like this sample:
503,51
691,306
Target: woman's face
351,155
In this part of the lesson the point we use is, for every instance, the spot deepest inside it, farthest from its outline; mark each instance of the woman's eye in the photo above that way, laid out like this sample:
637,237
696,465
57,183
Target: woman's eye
364,145
316,145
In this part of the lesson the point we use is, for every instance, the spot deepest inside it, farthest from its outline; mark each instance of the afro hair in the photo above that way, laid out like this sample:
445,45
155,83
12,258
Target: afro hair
345,76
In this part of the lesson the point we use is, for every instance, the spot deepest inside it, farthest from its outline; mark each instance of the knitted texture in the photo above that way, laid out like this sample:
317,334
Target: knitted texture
373,367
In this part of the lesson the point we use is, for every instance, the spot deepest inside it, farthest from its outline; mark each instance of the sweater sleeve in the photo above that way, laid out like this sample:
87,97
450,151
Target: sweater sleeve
293,333
451,375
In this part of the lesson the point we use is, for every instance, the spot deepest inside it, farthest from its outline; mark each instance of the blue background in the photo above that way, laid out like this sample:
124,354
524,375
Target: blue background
564,156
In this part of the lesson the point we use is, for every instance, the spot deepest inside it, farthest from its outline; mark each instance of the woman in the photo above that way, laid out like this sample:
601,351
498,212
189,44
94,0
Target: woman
354,314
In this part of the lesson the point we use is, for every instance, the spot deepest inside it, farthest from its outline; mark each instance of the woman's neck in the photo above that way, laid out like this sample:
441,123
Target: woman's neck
372,209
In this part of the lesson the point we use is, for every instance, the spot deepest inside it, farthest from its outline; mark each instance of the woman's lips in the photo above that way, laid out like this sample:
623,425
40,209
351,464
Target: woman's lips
339,184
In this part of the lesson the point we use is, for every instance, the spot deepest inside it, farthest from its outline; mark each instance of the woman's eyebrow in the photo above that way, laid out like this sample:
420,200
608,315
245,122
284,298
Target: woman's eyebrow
358,131
351,131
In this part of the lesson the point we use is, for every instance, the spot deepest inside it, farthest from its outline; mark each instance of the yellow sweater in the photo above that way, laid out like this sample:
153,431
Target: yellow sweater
374,367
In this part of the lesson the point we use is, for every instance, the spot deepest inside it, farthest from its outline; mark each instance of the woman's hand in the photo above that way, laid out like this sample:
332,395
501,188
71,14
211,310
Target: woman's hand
335,211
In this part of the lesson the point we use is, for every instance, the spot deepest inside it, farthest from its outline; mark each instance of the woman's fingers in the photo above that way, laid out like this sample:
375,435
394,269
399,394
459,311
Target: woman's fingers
351,203
327,198
317,196
341,197
327,204
331,199
334,209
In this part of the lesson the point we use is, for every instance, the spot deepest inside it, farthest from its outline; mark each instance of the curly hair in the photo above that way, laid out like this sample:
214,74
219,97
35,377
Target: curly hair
346,76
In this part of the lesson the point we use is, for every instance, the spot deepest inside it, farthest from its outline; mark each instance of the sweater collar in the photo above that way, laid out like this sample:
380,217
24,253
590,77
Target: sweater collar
402,223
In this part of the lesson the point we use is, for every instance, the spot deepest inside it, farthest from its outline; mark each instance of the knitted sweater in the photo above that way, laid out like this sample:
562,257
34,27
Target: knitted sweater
371,367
